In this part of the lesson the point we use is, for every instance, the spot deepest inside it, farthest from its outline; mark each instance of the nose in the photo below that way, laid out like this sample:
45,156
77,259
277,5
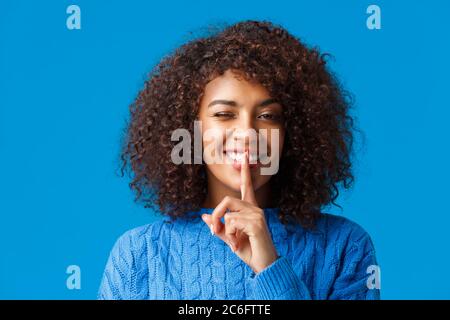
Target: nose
244,133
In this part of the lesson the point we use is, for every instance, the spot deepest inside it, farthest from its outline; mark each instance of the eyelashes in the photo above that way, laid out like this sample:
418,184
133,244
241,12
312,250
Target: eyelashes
224,115
264,116
270,116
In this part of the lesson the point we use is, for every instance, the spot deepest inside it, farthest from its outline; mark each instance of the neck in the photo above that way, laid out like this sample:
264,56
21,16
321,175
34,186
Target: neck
217,191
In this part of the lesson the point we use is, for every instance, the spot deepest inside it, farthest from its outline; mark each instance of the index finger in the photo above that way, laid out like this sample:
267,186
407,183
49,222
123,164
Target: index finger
247,192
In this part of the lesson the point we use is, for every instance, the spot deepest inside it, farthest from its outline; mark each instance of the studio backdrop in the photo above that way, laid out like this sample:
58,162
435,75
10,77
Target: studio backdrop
70,69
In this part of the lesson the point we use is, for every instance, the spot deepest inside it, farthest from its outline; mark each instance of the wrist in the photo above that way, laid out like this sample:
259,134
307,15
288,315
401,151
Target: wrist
268,261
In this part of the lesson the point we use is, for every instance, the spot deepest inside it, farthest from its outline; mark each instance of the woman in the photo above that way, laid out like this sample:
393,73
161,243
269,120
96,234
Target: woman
229,230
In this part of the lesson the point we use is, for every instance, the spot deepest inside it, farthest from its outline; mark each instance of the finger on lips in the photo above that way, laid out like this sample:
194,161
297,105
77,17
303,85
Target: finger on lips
229,207
247,192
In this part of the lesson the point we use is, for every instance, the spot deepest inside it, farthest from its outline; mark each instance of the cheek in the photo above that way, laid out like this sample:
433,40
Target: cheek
211,129
259,180
212,136
275,140
212,141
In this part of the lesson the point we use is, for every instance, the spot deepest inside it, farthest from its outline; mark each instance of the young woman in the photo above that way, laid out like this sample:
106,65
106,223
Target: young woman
229,231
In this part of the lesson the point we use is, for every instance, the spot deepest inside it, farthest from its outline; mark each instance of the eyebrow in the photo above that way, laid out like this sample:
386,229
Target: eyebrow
234,103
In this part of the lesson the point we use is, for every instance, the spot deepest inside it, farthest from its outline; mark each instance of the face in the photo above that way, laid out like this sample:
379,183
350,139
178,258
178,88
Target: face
236,116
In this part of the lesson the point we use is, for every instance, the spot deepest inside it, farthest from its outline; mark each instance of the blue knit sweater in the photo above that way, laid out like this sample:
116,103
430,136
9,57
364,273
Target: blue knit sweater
181,259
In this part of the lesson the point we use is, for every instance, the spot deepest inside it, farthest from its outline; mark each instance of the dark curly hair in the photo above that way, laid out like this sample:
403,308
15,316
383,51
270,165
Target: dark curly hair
319,130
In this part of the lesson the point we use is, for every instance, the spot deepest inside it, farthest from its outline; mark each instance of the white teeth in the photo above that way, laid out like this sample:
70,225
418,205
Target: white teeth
239,157
231,155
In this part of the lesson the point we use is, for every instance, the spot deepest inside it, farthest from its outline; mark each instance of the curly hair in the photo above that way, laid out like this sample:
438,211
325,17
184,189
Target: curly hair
316,157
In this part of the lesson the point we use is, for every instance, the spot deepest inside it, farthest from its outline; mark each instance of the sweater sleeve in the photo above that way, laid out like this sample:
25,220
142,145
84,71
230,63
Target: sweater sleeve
278,281
358,276
117,276
354,277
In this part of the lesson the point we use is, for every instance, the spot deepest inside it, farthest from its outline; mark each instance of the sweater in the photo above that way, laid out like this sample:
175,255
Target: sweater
180,259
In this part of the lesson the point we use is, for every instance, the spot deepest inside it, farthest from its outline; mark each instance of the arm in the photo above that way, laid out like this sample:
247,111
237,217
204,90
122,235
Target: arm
353,277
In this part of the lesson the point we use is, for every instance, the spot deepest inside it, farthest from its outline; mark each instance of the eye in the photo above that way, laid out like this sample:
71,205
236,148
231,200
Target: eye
224,115
269,116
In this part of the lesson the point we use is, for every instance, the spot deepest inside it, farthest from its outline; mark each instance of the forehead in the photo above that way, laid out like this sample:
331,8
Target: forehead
231,86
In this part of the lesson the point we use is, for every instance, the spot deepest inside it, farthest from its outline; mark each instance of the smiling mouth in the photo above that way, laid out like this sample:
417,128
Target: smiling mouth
236,158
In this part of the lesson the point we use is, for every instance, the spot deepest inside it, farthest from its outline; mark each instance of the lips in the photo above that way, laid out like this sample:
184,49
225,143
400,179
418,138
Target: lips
236,158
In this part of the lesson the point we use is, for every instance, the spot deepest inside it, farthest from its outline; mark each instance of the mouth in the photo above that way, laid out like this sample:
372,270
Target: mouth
235,157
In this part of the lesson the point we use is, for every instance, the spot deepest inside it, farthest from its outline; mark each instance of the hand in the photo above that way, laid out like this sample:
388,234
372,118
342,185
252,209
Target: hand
245,229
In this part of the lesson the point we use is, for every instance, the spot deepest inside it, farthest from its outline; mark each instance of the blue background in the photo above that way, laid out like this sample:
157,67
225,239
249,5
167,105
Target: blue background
64,97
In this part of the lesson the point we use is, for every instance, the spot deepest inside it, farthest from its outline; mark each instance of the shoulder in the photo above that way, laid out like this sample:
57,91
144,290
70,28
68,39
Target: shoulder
126,274
136,239
131,249
150,236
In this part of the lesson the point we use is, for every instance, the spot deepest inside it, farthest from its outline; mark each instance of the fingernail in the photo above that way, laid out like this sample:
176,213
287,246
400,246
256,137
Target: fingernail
212,228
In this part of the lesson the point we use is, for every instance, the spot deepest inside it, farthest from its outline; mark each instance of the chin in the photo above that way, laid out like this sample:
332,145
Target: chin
235,184
232,183
231,178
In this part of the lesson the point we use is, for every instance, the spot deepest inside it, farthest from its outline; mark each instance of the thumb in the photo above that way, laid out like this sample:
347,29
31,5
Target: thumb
231,241
207,218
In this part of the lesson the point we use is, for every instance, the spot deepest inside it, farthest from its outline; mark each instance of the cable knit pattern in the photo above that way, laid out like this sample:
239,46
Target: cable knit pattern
182,260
